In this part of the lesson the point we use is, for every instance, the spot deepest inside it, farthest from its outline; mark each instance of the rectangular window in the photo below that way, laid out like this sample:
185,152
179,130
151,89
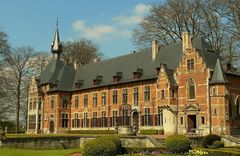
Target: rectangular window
65,102
162,94
104,119
39,121
114,118
52,102
85,100
104,98
39,103
34,103
172,94
135,96
181,120
114,96
124,96
85,119
76,102
190,64
32,121
203,119
213,90
147,93
64,120
76,120
30,104
147,117
215,111
94,99
160,118
94,121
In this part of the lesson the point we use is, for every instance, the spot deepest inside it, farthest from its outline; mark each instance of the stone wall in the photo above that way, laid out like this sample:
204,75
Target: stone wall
67,142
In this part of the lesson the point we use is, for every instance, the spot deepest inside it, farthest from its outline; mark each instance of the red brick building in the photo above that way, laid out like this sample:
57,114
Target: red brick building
179,87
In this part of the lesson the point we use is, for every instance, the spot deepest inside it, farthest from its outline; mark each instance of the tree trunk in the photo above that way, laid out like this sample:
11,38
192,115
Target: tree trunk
18,103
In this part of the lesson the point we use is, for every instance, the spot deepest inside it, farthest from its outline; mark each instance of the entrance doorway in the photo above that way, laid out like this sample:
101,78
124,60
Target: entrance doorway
51,127
136,119
192,123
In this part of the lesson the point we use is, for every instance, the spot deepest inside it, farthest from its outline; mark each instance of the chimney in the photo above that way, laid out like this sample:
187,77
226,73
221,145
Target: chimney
154,49
76,65
186,41
95,60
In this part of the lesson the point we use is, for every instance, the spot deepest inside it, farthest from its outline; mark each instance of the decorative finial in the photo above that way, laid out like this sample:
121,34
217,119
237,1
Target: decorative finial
57,23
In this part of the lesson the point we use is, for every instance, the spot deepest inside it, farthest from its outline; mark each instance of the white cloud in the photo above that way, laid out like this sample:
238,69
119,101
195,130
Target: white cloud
141,8
138,13
119,27
95,31
128,20
99,31
79,25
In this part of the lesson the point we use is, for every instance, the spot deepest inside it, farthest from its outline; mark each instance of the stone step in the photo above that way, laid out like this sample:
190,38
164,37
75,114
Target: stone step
154,141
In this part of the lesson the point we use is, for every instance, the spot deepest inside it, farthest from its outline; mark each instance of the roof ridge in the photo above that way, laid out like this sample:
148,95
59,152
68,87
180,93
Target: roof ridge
115,58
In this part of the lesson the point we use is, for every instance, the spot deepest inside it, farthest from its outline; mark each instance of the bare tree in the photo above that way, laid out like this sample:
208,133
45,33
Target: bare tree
18,68
213,19
82,51
4,104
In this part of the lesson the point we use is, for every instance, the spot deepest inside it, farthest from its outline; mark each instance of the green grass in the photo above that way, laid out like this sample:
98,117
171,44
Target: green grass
25,152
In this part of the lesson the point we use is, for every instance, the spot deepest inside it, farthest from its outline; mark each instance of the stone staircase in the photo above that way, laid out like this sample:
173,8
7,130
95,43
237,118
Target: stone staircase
156,142
230,140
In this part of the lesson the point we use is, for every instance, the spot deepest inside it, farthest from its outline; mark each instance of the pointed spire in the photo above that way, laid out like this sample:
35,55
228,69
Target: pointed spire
218,74
56,47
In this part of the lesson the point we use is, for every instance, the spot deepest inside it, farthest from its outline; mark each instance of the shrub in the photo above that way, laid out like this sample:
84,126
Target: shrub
209,139
217,144
178,143
116,141
99,147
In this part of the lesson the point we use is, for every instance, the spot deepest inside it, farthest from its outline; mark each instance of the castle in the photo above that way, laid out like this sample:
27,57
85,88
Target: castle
179,87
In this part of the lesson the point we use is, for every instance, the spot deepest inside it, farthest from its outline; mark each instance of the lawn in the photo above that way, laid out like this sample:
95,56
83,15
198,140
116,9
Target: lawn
24,152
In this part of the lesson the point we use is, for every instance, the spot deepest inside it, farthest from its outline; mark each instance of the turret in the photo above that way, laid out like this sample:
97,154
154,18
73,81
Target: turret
56,46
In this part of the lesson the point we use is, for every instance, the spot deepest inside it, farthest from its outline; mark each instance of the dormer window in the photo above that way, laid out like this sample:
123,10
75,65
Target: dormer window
157,71
137,74
54,84
78,84
97,80
117,77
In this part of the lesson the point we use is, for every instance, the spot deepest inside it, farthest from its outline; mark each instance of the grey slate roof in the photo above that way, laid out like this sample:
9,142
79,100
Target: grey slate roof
59,74
218,74
65,76
126,64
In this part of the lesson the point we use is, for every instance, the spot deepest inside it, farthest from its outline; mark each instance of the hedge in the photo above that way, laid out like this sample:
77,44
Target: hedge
99,147
209,139
115,140
178,143
151,131
222,152
91,132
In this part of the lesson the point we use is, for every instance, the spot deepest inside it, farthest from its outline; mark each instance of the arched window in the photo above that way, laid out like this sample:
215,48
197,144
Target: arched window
191,89
237,106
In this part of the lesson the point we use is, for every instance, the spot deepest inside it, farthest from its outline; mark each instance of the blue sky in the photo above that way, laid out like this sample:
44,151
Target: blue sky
109,23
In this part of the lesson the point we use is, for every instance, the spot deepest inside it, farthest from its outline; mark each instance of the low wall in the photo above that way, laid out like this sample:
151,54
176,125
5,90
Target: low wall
66,142
41,142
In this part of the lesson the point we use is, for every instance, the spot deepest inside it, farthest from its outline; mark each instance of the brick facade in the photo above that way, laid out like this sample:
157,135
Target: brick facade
178,100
